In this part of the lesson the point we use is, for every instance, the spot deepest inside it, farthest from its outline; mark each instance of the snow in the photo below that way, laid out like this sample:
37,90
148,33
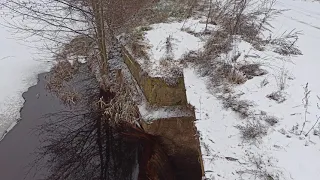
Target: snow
151,113
18,71
182,42
284,153
73,58
147,111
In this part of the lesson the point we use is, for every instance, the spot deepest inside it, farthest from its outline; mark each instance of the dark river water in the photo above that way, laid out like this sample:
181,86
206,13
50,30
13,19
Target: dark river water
17,149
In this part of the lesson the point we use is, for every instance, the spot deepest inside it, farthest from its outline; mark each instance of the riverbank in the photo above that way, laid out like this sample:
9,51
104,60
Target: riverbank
45,121
20,64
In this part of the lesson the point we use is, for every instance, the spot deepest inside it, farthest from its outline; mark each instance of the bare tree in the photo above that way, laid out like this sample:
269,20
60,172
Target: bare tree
209,14
83,142
59,21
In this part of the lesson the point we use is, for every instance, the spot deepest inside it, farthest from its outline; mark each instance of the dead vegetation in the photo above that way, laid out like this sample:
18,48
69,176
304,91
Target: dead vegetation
168,65
177,9
159,11
285,44
86,144
253,131
245,20
277,96
224,65
235,19
252,70
136,43
241,107
80,45
233,75
271,120
260,167
122,106
67,65
63,72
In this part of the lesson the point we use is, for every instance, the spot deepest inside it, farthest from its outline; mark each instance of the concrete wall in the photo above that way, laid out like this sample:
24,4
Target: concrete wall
181,145
178,134
155,89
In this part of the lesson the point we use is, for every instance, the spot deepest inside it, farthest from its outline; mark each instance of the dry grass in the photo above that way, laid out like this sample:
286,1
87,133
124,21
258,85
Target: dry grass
136,43
179,9
121,107
237,19
241,107
252,70
260,167
67,65
235,76
79,45
219,72
285,44
218,43
208,63
171,71
277,96
192,32
62,71
271,120
159,12
253,130
58,79
169,47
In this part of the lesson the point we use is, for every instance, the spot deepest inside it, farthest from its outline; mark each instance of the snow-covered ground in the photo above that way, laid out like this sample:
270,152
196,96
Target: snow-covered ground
283,153
20,64
286,150
176,34
280,154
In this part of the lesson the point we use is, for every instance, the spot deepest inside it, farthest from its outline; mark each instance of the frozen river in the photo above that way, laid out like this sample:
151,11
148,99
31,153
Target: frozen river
19,66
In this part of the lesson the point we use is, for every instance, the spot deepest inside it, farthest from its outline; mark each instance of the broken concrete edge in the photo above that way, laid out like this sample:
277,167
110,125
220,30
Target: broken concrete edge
155,89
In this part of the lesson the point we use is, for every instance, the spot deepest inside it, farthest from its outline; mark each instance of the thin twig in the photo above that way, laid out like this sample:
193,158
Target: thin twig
313,126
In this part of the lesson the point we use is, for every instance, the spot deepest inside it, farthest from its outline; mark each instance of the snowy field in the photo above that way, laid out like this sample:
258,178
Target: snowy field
289,145
287,151
20,63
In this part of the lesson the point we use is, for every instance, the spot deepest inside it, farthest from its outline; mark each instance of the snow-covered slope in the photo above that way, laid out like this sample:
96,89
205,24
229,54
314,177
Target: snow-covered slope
282,153
280,136
168,42
19,67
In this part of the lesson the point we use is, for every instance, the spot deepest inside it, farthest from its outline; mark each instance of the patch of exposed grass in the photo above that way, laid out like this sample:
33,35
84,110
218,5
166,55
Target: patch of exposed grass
241,107
137,45
253,130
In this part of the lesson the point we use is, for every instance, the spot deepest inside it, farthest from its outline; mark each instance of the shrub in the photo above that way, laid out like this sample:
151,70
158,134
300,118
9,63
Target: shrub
239,106
253,130
277,96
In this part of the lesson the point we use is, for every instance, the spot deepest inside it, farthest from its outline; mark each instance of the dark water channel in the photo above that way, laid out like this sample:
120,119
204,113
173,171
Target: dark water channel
18,149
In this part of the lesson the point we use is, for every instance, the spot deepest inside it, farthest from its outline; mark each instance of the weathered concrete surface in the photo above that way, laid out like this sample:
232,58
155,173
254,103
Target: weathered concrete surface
178,134
181,144
155,89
